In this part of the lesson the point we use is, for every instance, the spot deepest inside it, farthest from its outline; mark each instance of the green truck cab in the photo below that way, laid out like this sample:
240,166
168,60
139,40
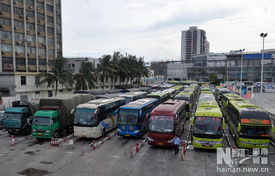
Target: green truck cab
17,118
45,124
54,119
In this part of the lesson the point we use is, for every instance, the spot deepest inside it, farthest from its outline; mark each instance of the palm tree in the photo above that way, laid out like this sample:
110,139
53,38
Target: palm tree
105,68
58,74
116,57
85,78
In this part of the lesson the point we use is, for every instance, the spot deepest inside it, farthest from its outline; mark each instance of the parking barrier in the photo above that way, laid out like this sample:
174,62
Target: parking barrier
93,145
137,148
12,140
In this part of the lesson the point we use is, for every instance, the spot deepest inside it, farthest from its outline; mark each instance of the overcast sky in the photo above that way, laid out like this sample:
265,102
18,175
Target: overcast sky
152,28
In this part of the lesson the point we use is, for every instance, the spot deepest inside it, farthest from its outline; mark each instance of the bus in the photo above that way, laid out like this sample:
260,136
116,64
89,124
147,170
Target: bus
178,88
187,97
249,124
131,96
166,121
225,98
97,117
207,125
162,96
131,117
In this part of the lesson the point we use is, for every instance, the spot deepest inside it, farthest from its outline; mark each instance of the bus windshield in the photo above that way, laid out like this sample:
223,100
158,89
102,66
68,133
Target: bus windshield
248,130
128,117
12,116
163,124
84,117
42,121
208,125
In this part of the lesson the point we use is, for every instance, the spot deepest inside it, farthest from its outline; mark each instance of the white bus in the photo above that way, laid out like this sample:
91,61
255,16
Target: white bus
97,117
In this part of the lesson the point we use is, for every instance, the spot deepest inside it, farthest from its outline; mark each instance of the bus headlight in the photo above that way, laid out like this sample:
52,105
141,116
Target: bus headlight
47,131
33,130
119,129
136,131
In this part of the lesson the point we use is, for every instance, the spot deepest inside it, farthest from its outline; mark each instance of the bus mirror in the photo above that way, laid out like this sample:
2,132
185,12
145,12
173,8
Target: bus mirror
72,111
147,116
51,121
239,128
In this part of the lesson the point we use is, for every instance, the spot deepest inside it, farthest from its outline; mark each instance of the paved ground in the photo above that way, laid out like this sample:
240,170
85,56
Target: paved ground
264,100
32,158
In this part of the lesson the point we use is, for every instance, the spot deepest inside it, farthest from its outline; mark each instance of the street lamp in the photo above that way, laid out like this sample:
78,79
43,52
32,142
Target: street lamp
263,35
241,79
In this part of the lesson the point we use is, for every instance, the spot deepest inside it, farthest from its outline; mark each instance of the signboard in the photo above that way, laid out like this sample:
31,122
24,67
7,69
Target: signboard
270,87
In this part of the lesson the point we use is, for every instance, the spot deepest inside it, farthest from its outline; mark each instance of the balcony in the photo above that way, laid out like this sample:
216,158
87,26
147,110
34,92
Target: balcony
21,68
32,68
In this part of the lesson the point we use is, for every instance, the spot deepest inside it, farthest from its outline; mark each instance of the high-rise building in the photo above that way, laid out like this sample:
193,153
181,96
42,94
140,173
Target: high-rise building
193,42
30,39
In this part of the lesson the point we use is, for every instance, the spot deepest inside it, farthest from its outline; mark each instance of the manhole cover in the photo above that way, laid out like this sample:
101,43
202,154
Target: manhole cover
34,172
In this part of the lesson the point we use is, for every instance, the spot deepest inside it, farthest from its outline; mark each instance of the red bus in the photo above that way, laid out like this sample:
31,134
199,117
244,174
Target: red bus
166,121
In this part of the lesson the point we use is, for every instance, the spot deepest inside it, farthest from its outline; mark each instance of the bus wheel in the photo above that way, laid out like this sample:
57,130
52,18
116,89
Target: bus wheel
103,132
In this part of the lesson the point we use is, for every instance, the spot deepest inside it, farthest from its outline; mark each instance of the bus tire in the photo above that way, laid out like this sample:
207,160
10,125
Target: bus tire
103,132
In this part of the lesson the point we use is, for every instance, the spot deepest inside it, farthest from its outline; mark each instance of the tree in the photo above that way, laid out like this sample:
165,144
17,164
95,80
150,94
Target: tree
58,74
105,68
116,57
213,79
85,78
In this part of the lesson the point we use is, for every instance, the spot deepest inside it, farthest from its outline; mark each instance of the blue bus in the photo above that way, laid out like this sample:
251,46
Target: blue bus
131,117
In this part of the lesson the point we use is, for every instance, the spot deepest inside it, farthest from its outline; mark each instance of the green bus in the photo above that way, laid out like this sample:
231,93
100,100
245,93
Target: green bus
207,125
249,124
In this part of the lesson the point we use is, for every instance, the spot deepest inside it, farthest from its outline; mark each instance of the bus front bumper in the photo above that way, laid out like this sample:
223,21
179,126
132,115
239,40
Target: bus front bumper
87,132
136,133
205,143
253,143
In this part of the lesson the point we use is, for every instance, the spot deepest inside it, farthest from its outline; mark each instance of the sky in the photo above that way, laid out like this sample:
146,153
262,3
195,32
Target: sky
152,28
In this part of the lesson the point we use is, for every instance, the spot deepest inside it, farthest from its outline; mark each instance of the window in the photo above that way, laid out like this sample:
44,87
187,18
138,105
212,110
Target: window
31,50
30,26
5,47
20,61
40,28
58,19
30,2
18,1
37,92
19,49
50,93
49,8
30,38
40,16
41,51
18,23
42,61
17,11
58,28
23,80
41,39
50,42
6,35
5,8
29,14
50,19
18,37
51,52
31,61
50,30
7,60
5,21
40,5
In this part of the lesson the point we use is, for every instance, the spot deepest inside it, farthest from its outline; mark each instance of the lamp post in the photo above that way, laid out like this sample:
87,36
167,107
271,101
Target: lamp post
241,79
263,35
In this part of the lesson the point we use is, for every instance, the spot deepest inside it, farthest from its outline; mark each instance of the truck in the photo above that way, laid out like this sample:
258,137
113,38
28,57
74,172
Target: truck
17,118
55,117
